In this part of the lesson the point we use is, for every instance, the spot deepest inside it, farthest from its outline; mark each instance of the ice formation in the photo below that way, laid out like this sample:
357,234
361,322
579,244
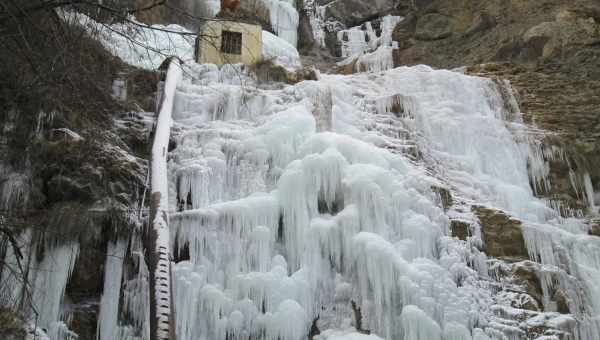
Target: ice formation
316,16
277,218
49,268
279,222
109,303
281,51
372,51
284,19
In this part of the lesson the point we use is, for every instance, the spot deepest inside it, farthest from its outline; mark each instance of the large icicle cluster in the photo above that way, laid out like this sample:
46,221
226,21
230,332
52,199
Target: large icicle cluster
284,19
361,39
338,220
48,266
372,51
280,222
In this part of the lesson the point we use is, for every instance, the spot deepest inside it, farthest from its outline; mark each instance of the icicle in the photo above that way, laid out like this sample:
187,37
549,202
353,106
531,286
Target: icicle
590,196
136,302
109,303
284,19
539,242
51,276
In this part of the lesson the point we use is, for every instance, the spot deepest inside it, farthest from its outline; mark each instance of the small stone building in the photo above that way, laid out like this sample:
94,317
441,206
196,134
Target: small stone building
228,42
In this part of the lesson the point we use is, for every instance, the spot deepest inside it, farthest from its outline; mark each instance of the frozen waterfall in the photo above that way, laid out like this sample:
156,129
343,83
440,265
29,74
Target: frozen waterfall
277,221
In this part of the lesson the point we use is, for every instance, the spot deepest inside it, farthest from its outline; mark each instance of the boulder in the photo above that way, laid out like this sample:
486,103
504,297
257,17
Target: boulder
460,229
526,275
502,235
404,31
433,26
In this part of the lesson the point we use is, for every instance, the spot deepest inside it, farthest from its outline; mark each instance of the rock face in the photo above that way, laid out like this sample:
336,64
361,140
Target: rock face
550,52
306,41
355,12
82,169
433,26
475,31
502,235
569,29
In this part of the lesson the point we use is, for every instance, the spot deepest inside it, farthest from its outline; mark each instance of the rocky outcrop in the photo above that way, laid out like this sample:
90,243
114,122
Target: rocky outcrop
569,29
471,32
502,235
433,26
595,227
460,229
355,12
268,71
306,40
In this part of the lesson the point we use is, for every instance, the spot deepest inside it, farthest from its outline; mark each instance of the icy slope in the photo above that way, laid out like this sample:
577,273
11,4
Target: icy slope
282,222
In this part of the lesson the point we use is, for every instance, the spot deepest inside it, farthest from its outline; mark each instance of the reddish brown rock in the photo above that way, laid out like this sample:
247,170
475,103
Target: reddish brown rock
502,235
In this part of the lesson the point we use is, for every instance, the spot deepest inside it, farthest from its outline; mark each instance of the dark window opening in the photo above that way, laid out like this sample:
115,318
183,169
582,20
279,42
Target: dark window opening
231,42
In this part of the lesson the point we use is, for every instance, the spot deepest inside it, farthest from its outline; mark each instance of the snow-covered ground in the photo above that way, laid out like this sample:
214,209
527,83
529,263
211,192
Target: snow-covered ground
137,43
